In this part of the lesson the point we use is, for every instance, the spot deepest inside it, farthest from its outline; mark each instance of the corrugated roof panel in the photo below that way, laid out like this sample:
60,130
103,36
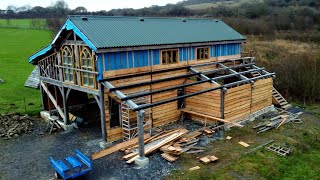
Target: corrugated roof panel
108,32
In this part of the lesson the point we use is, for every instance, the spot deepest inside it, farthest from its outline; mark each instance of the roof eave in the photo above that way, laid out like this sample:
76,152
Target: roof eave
68,25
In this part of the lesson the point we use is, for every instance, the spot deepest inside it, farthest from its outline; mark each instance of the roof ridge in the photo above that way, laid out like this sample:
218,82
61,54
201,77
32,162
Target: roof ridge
142,17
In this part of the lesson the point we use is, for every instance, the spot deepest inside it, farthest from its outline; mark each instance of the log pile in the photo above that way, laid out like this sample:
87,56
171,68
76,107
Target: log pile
14,125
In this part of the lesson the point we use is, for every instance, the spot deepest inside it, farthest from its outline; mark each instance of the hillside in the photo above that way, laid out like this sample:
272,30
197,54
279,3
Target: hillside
198,4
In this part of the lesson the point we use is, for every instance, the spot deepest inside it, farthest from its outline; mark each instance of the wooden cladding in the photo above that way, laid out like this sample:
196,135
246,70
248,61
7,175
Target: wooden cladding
246,99
208,103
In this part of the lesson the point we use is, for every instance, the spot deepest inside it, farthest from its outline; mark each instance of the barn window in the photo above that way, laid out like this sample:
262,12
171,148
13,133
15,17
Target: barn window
68,63
202,53
169,56
87,67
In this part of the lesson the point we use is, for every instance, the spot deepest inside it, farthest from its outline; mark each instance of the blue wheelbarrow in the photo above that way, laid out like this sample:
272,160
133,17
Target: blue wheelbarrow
72,166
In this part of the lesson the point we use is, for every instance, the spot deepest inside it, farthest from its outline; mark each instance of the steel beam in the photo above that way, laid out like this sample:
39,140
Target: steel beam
225,68
235,72
120,95
149,105
224,61
162,90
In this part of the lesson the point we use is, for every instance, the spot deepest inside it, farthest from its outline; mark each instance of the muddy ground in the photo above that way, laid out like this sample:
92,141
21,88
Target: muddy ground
27,157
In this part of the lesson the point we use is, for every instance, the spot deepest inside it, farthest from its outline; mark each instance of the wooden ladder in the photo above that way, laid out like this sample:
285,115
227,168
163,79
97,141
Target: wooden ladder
277,98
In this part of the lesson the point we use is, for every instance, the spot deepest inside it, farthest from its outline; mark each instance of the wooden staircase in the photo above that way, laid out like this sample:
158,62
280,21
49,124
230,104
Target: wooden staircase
277,98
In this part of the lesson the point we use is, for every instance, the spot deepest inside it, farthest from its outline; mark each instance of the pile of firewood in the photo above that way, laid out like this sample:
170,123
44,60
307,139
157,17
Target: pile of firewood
14,125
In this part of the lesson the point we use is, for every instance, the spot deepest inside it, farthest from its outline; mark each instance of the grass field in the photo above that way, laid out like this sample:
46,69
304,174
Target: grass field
234,163
231,3
16,47
24,23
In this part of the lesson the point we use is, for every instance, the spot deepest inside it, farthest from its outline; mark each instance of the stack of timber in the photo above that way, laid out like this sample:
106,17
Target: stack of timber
172,143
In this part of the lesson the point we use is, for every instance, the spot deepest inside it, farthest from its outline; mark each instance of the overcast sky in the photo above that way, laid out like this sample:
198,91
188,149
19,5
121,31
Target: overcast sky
91,5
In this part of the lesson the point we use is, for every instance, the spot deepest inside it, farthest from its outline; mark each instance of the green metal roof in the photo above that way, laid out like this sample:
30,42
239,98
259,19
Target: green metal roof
111,32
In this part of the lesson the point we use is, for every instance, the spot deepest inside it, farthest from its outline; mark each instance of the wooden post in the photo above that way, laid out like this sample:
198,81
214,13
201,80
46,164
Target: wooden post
102,112
65,107
222,103
140,118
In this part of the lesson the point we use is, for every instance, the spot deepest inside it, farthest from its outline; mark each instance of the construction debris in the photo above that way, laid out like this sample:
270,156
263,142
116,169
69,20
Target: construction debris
208,159
194,168
258,147
14,125
275,122
279,150
172,143
244,144
169,157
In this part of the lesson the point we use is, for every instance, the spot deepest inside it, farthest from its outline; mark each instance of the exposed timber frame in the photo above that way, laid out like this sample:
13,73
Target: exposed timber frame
139,109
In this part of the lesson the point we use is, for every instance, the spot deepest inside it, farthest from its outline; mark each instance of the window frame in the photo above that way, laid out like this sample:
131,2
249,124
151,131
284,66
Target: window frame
161,51
205,47
68,52
86,67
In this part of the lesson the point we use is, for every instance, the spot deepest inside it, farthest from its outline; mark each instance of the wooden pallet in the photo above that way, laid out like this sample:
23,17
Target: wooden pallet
281,151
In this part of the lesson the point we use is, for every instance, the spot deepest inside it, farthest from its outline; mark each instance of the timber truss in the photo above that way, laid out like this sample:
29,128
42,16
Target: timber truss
221,67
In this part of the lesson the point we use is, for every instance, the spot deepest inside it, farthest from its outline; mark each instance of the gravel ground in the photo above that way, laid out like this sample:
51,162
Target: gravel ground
27,157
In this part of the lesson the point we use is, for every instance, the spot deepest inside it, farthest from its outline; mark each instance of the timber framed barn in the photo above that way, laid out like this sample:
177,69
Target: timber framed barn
146,72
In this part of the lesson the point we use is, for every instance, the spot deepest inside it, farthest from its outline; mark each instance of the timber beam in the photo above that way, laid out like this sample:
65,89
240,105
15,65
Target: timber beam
143,74
153,82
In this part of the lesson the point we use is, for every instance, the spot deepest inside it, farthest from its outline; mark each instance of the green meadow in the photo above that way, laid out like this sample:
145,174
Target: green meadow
15,48
24,23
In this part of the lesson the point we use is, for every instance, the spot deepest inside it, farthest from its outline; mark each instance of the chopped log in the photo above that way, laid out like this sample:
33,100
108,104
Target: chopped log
208,159
244,144
116,147
194,168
